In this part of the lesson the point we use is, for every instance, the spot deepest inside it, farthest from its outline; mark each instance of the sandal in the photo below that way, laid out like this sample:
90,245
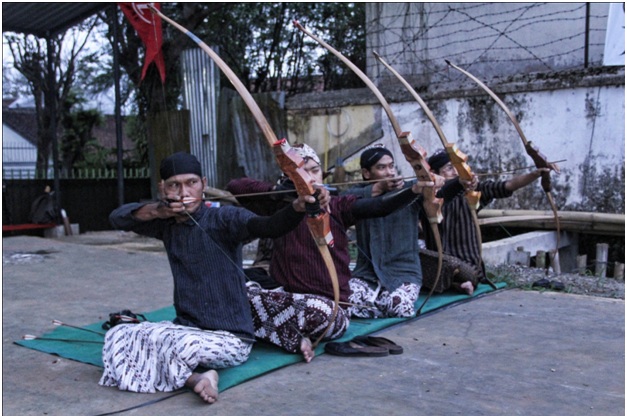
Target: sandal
354,349
390,345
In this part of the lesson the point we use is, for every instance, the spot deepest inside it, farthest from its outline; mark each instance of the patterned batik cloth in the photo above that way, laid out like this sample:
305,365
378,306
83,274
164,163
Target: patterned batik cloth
368,302
160,356
284,318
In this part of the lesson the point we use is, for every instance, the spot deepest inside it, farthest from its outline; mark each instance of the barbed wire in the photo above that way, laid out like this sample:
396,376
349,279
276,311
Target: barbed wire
498,38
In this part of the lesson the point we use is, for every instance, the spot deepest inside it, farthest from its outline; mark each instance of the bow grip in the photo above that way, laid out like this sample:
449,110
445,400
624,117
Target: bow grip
458,159
416,155
291,164
545,182
540,161
319,225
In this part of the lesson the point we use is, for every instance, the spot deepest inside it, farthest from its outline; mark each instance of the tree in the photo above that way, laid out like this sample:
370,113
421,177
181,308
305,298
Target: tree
78,147
30,58
149,95
256,40
260,44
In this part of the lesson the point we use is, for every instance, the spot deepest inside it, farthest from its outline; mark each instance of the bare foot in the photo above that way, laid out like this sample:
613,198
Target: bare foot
468,288
205,385
307,349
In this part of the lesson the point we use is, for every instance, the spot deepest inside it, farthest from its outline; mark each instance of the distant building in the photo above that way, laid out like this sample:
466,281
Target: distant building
19,139
18,153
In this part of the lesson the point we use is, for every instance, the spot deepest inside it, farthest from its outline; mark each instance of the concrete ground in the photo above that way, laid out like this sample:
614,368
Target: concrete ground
508,353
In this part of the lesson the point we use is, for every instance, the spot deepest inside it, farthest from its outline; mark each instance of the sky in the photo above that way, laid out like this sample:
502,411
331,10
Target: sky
104,102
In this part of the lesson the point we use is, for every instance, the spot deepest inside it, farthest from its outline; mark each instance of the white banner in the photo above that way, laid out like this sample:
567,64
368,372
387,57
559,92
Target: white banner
615,36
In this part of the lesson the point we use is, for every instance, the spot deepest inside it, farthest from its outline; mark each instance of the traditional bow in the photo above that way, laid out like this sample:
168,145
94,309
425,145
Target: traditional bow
290,163
538,158
457,157
413,152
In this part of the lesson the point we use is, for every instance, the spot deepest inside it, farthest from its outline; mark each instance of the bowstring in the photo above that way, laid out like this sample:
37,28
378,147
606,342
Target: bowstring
239,268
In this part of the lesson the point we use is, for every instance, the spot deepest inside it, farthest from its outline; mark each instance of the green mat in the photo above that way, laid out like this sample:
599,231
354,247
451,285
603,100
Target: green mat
86,347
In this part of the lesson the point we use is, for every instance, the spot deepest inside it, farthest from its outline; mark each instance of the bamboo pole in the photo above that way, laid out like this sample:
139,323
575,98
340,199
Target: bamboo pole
586,222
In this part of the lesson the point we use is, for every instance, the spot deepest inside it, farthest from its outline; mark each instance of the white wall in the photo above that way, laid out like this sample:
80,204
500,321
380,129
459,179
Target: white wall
585,126
17,152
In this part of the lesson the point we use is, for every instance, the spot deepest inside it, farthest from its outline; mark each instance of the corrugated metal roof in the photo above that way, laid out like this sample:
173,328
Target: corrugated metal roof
41,19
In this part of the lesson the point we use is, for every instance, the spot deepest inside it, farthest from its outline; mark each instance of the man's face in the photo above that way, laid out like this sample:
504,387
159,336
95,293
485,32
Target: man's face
384,168
314,170
188,188
447,171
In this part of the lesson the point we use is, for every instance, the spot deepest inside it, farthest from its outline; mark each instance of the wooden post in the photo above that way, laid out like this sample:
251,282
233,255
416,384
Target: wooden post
619,271
582,262
541,259
600,269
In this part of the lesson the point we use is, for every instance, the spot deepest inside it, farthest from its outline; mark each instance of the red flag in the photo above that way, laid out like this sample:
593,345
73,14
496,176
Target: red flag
148,27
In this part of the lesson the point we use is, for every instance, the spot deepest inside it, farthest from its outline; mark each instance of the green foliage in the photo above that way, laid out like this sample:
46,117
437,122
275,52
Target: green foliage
501,274
342,25
260,44
78,147
136,130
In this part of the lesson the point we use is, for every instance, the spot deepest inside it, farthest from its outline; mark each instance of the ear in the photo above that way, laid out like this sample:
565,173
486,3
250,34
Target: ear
365,173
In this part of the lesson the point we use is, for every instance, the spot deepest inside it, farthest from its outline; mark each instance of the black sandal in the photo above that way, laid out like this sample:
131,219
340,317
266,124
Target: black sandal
355,349
390,345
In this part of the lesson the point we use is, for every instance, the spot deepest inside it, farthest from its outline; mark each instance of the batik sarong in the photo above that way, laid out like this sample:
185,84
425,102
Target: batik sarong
284,318
369,302
160,356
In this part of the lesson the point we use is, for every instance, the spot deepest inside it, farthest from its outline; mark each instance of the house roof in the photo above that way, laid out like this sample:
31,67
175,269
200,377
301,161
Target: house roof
42,19
22,121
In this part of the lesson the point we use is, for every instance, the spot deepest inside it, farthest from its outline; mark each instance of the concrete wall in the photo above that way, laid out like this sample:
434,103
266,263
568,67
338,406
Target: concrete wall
580,118
585,126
